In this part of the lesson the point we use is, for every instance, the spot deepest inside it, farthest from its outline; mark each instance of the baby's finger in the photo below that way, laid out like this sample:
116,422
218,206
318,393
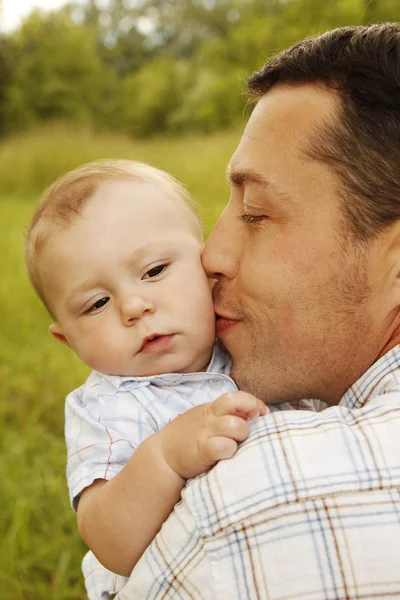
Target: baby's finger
219,448
240,404
258,411
232,427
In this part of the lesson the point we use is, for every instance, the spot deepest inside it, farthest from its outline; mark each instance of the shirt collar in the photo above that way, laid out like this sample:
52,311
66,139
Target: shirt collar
218,364
382,377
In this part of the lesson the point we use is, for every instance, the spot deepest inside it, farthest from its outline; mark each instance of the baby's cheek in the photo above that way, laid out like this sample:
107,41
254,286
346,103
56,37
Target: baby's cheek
99,353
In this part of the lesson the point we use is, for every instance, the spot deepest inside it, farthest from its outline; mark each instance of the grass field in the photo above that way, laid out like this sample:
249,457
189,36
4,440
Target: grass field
40,551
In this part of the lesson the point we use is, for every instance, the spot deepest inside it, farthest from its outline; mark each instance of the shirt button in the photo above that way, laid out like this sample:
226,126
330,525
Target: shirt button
216,384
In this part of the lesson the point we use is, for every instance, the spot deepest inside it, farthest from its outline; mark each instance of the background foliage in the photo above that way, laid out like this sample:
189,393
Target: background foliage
82,83
151,66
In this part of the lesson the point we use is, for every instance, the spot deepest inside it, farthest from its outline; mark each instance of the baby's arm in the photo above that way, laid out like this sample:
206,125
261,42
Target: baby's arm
119,518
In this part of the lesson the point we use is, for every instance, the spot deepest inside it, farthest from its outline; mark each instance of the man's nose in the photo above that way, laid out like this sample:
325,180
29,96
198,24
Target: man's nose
221,254
134,307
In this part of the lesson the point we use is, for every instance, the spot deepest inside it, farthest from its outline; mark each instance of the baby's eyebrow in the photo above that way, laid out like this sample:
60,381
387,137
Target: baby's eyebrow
139,253
82,287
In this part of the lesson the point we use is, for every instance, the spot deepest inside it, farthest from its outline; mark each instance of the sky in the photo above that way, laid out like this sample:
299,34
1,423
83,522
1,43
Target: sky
15,10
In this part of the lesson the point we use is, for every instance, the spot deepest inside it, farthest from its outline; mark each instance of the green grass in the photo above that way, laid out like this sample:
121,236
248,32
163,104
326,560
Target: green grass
40,550
30,162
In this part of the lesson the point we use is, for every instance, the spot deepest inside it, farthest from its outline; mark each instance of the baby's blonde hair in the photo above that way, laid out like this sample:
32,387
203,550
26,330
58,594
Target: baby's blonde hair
64,200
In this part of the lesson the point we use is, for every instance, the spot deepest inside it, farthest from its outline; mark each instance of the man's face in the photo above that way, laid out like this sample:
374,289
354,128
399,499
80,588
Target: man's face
299,306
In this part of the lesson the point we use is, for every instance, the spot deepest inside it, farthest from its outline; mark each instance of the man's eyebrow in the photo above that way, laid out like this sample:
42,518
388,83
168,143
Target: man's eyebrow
246,176
241,177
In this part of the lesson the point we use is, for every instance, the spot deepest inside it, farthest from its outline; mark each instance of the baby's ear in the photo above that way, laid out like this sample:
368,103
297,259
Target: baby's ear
57,332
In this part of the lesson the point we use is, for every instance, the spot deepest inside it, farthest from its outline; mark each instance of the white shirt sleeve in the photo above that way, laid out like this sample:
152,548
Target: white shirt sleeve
103,427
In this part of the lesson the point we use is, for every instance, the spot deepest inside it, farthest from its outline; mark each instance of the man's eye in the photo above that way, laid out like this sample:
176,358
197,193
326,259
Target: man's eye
97,305
252,218
154,272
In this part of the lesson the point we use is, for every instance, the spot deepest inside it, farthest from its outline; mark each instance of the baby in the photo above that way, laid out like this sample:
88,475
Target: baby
113,251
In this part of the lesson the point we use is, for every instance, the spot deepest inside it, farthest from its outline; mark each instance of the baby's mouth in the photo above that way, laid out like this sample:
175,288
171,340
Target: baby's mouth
156,343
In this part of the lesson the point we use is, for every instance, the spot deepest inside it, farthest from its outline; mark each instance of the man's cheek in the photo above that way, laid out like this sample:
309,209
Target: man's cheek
294,254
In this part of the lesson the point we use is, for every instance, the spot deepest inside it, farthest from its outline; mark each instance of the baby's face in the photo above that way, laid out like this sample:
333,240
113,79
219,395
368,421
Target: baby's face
127,285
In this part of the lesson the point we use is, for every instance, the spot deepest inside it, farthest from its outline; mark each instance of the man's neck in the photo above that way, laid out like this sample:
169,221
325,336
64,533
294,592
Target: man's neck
394,336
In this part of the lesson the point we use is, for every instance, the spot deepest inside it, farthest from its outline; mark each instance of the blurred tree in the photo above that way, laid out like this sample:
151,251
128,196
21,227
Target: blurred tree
57,74
213,100
252,40
380,10
6,72
150,66
116,24
179,27
150,96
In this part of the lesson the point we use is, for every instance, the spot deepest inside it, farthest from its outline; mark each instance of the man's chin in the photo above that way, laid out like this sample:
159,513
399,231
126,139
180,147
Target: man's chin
243,379
253,381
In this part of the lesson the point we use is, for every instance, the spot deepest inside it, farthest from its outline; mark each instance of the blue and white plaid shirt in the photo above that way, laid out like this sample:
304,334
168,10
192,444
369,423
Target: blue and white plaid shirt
109,416
308,508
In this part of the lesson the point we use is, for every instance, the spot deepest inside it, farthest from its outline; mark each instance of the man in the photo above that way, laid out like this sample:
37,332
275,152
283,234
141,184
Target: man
306,258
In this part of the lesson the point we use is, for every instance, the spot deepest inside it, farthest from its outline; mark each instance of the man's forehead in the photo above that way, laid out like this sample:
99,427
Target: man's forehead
290,109
283,121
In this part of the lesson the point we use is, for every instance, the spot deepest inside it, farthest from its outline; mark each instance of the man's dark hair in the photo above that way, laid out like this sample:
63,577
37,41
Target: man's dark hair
362,65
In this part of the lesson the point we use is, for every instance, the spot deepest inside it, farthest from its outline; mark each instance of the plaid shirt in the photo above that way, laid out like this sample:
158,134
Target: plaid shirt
308,509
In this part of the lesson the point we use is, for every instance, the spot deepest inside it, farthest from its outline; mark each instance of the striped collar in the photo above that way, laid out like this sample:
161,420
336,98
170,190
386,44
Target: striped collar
381,378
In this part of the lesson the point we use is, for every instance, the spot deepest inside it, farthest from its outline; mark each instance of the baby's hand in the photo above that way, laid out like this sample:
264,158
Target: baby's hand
197,439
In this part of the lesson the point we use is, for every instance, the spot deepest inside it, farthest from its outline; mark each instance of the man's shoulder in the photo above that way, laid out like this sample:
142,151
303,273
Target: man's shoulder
293,457
320,487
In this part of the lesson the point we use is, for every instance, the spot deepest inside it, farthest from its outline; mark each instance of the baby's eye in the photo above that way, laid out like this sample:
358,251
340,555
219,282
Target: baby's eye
98,305
154,272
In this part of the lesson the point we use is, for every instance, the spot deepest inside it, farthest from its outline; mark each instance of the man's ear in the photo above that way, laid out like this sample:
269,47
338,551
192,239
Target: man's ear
391,258
57,332
394,250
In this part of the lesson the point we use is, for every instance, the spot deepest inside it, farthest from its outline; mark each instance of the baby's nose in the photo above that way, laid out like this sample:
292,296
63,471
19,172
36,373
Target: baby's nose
134,308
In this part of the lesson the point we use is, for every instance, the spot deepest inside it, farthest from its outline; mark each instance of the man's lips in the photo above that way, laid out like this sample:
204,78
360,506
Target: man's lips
156,343
223,323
